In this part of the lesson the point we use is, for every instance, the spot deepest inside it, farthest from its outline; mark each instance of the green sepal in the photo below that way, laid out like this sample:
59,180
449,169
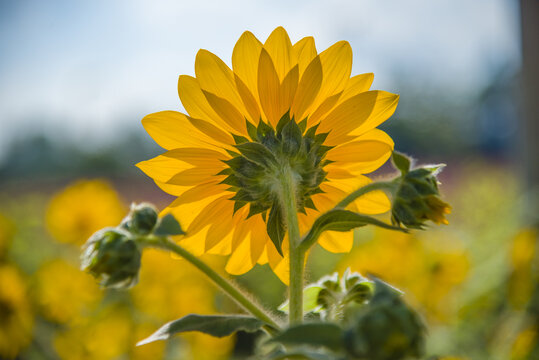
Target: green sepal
401,162
238,139
303,125
284,120
251,130
276,228
214,325
292,139
257,153
168,225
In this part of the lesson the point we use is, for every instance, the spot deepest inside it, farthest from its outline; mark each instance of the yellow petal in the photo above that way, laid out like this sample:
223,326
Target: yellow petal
215,76
279,265
279,48
220,137
194,176
199,157
240,260
337,242
356,85
211,213
227,112
222,224
245,60
336,67
195,103
357,115
268,88
171,129
251,104
323,109
366,154
199,192
308,88
375,202
287,91
163,168
305,50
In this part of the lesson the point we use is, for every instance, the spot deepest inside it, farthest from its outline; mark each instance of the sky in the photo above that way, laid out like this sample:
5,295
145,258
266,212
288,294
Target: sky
88,70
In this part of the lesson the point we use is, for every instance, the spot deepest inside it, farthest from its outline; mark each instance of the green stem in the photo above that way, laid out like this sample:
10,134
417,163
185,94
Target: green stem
379,185
221,282
297,257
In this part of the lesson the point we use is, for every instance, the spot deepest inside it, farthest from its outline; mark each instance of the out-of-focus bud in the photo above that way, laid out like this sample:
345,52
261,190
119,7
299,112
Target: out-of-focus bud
338,298
386,329
112,257
141,219
417,198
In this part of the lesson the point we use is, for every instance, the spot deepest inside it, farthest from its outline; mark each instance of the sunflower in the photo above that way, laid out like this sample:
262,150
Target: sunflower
281,105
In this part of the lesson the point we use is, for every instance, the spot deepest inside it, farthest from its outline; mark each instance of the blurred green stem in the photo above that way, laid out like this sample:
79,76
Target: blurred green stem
233,291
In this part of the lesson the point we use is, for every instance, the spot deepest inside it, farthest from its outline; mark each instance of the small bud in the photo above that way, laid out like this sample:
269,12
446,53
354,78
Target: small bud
339,298
141,219
112,257
386,329
417,199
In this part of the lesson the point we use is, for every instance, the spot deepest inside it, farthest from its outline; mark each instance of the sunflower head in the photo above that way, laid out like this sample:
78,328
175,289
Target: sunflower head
282,109
112,257
417,198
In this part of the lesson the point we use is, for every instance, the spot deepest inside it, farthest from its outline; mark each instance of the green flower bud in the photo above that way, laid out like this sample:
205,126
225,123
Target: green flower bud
417,198
112,257
340,298
141,219
386,329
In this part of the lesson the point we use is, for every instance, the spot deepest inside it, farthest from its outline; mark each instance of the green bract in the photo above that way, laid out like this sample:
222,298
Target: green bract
256,171
112,257
141,219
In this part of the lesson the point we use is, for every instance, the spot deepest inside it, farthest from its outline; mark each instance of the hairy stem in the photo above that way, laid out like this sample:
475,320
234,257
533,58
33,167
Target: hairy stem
297,257
378,185
224,284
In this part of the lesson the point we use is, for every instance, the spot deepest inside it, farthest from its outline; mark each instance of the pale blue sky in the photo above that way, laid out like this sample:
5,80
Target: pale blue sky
86,69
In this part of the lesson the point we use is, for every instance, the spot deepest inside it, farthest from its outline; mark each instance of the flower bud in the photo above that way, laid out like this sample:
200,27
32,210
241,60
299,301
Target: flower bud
112,257
141,219
386,329
417,199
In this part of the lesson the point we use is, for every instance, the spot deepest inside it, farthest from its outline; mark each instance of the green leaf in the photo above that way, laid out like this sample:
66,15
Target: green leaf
275,227
214,325
328,335
341,220
401,162
301,354
168,225
310,299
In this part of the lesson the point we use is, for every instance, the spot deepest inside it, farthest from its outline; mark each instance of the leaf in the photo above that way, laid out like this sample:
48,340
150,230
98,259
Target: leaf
401,162
310,297
341,220
328,335
214,325
275,227
300,354
168,225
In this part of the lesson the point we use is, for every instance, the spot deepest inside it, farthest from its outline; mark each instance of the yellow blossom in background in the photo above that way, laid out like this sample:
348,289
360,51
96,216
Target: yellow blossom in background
232,111
169,289
523,275
105,335
63,292
81,209
16,318
524,344
428,268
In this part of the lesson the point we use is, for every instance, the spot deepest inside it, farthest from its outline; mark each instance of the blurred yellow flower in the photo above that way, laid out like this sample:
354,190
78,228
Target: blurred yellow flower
7,230
105,335
16,319
225,158
169,289
63,292
524,344
523,275
427,270
81,209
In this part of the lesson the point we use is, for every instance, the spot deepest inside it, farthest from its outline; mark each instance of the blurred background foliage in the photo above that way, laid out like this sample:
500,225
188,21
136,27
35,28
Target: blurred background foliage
475,281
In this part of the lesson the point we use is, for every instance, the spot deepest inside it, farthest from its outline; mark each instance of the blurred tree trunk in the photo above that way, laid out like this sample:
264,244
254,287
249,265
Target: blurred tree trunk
529,10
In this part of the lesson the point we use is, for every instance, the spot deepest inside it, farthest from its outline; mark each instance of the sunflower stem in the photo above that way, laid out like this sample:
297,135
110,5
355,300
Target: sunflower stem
227,286
297,257
378,185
